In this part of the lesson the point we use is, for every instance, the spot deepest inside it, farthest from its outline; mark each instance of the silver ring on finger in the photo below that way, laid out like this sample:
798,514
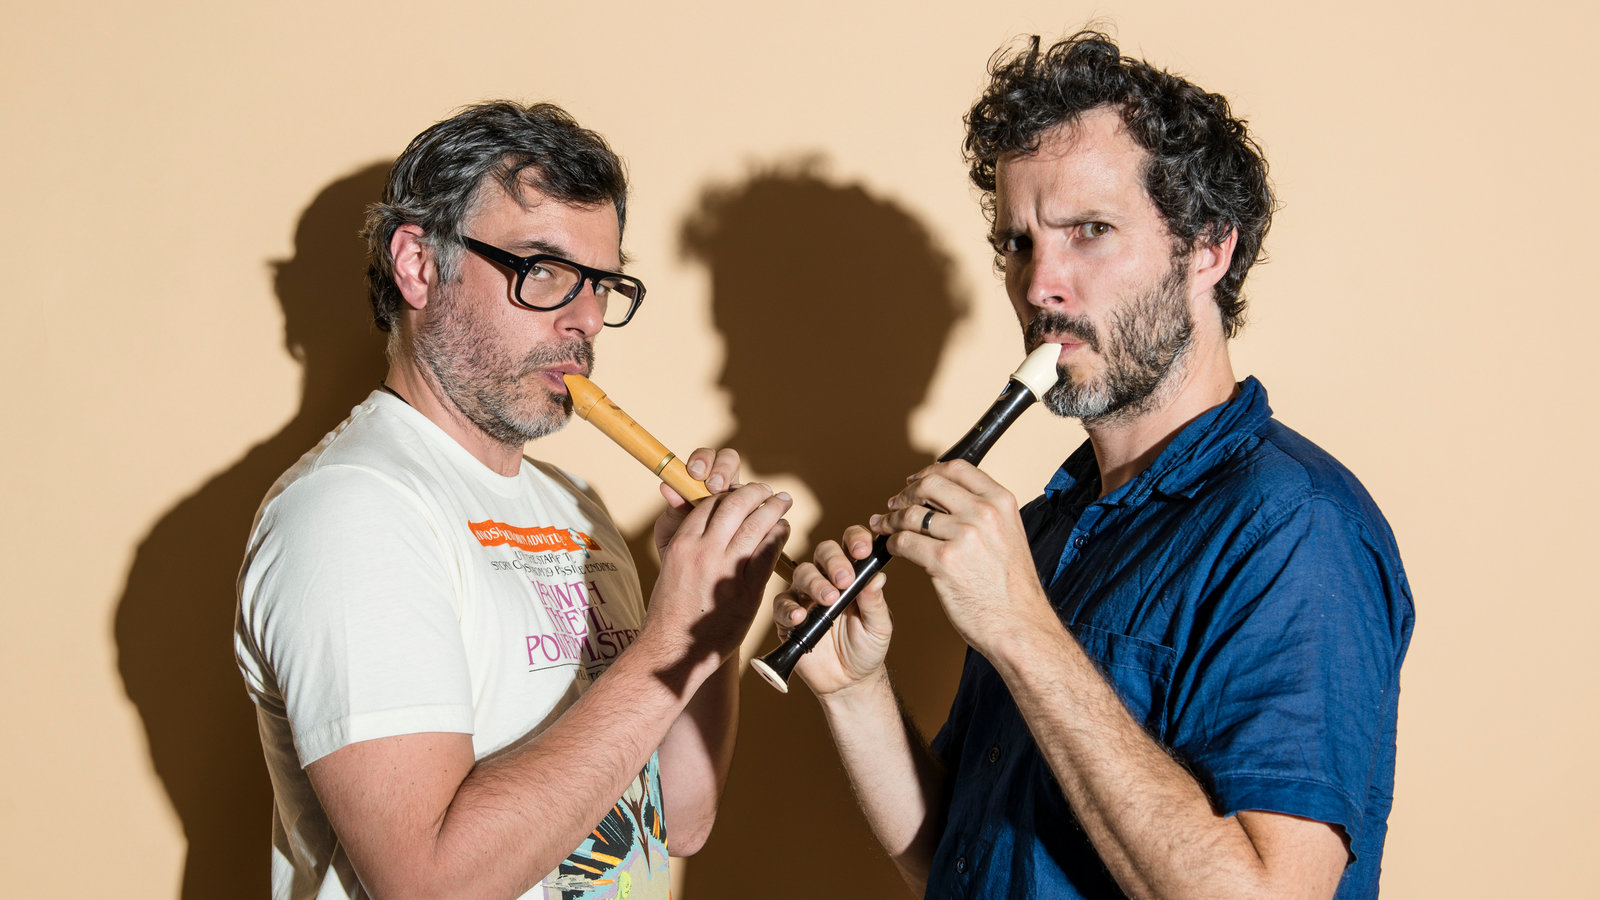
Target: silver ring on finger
926,521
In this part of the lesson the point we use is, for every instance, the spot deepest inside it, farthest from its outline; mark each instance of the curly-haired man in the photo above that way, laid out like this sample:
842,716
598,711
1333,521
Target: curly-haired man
1184,656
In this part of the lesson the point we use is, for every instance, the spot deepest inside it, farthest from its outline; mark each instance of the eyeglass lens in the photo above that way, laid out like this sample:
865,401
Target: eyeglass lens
549,283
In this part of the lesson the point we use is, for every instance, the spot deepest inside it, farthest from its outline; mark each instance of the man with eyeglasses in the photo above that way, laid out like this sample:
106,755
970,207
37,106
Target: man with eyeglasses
1184,657
459,692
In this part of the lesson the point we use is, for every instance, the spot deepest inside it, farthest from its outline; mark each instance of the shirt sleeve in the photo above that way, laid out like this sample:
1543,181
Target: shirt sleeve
346,604
1289,691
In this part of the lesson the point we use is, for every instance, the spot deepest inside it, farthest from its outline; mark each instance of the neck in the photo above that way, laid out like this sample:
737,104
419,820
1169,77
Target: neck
1126,446
420,388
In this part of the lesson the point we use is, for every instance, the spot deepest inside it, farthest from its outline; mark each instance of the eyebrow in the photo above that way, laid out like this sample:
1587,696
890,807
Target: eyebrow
1070,220
534,246
1077,217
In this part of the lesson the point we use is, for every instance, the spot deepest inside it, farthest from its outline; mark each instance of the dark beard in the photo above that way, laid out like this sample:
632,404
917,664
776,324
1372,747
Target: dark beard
1145,340
488,385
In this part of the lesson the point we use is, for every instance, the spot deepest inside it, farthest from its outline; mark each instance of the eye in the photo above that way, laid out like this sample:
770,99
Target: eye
1093,230
1013,244
539,272
602,288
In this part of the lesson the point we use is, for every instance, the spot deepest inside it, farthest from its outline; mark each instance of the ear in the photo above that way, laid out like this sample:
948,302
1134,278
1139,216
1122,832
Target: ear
1209,262
414,271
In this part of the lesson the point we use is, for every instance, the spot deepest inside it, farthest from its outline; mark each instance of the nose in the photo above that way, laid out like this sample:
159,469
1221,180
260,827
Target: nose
1045,280
585,315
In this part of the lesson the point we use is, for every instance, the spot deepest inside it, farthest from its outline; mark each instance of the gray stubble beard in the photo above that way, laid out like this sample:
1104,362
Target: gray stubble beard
1147,340
489,386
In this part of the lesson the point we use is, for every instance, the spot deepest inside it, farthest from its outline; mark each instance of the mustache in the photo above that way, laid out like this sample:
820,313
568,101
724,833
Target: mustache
1053,324
544,356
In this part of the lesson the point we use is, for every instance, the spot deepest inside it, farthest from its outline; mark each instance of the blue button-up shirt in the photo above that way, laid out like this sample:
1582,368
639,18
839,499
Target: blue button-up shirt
1246,599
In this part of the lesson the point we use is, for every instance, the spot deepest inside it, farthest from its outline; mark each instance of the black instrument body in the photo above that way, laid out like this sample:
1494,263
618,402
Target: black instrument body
776,666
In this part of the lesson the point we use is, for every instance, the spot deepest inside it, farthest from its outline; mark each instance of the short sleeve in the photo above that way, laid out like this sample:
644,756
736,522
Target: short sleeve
1288,695
346,615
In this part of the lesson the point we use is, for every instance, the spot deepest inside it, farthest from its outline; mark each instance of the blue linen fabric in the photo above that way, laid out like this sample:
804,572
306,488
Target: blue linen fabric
1245,597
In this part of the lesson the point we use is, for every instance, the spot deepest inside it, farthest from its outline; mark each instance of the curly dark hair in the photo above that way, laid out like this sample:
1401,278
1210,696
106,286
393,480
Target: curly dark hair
1204,172
436,182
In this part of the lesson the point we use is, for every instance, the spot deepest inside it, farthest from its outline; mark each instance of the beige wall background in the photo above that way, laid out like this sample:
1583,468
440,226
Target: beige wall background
184,316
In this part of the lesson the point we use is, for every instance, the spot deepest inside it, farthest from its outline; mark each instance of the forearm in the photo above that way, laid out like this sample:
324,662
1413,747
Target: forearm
576,769
495,828
695,757
1148,818
898,782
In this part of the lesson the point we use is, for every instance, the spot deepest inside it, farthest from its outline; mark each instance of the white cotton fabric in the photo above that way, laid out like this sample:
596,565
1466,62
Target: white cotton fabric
393,584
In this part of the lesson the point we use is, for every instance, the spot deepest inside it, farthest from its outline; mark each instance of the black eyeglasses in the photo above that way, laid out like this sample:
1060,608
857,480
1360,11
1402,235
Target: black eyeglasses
546,282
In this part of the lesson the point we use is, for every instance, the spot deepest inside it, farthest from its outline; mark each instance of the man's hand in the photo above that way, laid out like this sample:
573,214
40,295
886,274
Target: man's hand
718,469
716,557
974,549
855,647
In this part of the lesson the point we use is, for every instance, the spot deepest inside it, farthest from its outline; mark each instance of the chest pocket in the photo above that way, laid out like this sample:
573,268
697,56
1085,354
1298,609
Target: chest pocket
1139,670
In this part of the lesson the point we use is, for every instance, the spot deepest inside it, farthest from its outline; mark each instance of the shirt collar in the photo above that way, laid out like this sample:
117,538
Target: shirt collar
1181,467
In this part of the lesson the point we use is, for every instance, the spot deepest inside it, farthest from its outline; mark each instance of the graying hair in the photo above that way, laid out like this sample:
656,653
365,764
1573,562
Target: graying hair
439,181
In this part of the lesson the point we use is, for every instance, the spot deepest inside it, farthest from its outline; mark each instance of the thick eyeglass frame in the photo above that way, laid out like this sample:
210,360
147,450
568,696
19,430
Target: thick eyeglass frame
522,265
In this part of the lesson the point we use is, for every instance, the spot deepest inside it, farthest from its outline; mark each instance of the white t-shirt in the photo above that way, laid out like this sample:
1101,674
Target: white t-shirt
394,584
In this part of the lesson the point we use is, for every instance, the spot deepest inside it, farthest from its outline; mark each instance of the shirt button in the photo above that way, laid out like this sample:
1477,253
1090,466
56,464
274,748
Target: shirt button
994,753
1080,541
961,865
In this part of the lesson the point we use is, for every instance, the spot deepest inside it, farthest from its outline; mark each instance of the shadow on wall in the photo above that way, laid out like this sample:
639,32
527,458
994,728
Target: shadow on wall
835,307
174,625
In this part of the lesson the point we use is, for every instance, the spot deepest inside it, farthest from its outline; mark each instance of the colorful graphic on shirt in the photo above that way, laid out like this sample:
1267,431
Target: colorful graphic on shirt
498,534
626,854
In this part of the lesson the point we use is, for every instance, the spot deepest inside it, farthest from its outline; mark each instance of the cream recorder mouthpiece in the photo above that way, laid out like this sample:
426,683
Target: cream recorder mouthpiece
1038,372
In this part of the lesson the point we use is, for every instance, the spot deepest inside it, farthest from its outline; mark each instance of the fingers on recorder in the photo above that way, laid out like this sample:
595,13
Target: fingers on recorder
719,469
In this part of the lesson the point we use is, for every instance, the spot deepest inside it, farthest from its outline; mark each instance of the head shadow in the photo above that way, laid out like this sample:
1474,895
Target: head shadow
835,305
173,624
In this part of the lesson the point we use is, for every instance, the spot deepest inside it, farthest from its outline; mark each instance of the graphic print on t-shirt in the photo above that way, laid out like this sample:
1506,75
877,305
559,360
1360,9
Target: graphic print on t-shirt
561,566
498,534
625,855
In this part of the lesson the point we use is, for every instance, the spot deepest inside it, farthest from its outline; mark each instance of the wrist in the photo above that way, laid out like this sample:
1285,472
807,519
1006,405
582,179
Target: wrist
674,656
859,694
1034,635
